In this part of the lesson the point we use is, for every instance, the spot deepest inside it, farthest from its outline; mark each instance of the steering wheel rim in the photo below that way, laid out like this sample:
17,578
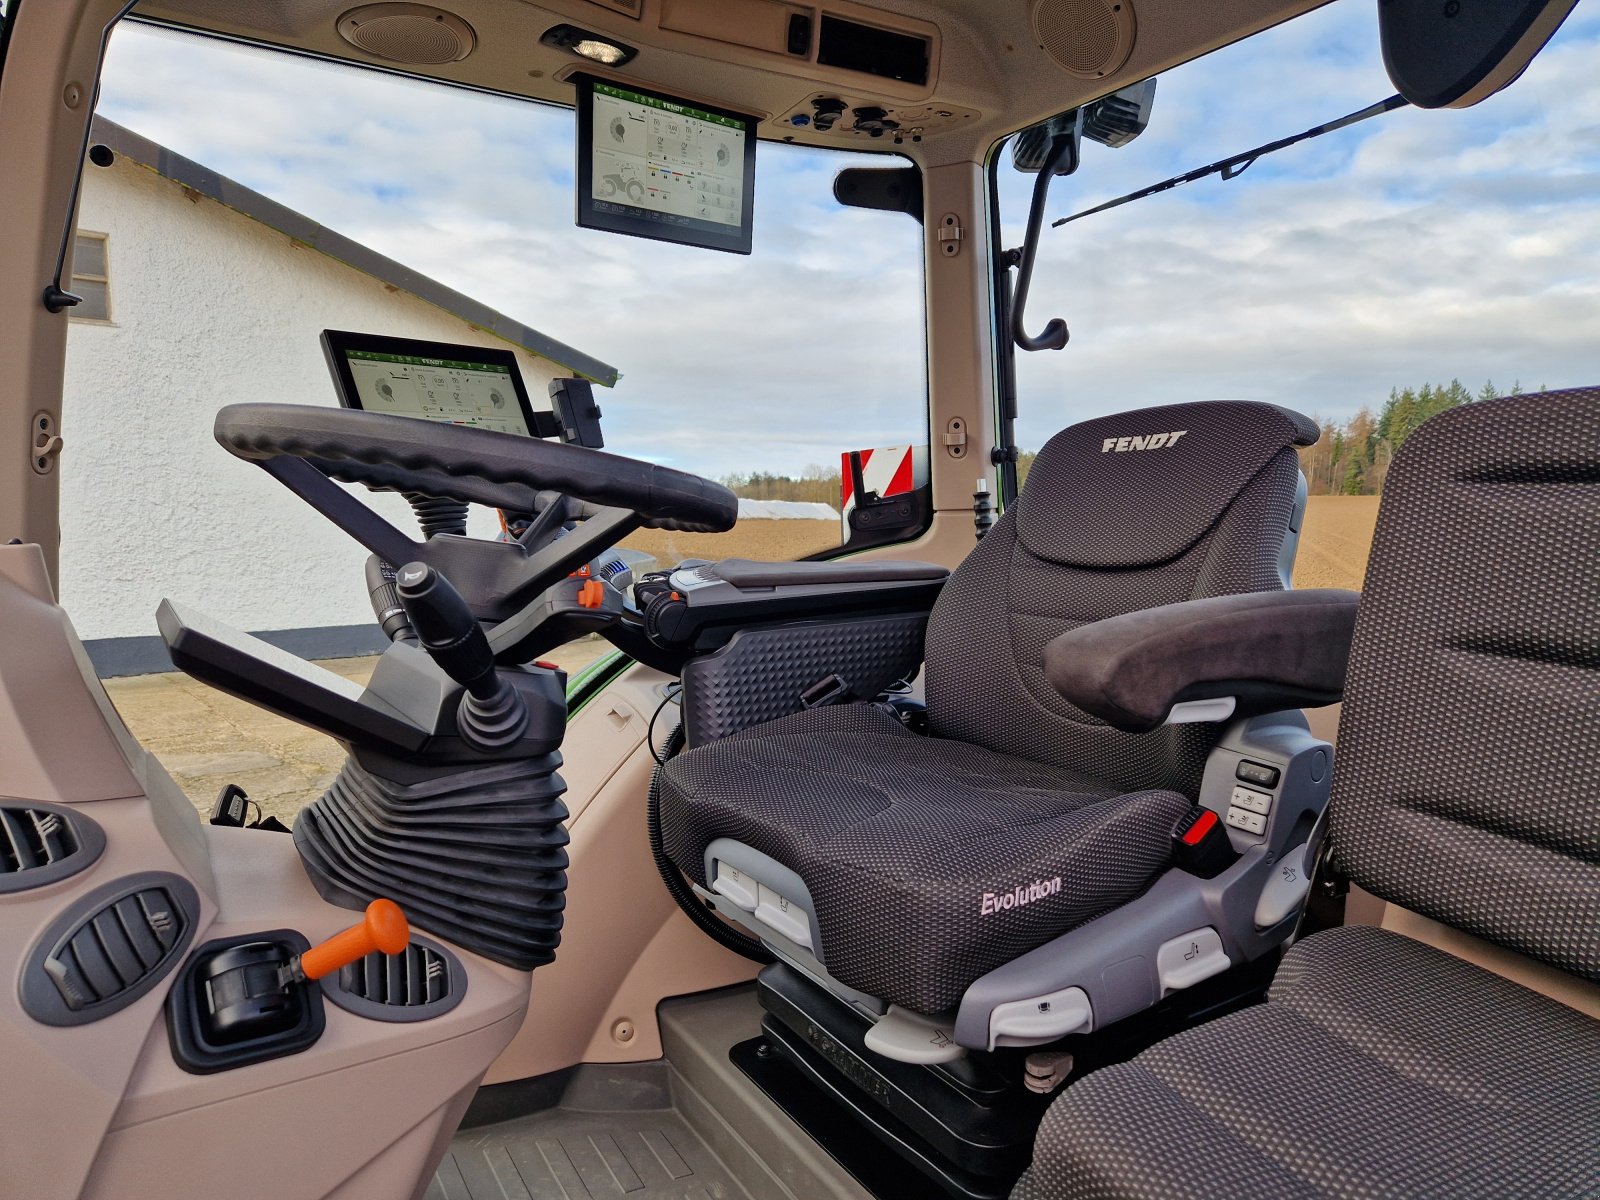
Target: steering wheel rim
460,462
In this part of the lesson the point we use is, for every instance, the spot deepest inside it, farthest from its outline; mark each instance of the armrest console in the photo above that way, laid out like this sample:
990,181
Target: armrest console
1266,650
716,600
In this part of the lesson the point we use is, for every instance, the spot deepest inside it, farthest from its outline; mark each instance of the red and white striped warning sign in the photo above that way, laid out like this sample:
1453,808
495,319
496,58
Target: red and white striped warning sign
885,470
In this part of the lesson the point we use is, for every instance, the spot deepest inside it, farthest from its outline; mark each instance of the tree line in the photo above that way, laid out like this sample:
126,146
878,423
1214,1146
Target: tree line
1350,458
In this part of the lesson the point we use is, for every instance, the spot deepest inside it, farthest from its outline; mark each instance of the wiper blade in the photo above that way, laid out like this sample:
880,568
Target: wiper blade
1230,168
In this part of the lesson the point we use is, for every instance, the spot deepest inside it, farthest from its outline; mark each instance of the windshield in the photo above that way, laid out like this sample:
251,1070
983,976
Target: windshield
1366,278
323,196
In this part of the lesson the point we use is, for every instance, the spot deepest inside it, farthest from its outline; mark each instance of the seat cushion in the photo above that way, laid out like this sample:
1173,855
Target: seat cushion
1380,1067
901,838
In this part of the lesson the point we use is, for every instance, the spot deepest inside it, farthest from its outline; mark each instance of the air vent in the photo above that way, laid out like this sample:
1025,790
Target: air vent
41,843
418,35
423,981
109,949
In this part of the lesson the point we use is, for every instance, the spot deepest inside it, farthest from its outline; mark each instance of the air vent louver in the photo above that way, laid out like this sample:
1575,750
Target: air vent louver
422,981
33,837
41,843
109,948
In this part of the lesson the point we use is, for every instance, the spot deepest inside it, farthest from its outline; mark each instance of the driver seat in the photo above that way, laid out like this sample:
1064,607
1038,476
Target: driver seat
896,868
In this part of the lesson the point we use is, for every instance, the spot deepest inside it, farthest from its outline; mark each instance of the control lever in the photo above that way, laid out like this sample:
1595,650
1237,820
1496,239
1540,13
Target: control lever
493,714
383,928
386,604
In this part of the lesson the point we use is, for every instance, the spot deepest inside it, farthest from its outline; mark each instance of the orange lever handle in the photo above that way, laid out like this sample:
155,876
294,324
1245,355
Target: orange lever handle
384,928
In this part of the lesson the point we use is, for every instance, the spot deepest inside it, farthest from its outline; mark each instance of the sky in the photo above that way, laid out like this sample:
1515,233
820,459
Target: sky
1416,247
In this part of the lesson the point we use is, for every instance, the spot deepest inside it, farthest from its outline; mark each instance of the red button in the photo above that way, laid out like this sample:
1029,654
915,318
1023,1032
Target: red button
1201,827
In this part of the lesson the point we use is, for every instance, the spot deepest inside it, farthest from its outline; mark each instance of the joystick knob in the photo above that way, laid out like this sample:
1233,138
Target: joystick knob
493,714
383,928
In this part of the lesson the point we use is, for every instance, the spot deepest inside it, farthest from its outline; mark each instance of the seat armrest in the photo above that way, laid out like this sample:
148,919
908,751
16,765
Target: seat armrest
1266,650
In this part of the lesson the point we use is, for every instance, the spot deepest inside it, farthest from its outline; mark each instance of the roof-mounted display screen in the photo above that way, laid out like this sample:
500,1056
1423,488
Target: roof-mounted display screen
657,167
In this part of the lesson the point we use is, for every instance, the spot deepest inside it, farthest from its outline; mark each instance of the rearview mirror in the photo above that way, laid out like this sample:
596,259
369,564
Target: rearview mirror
1452,54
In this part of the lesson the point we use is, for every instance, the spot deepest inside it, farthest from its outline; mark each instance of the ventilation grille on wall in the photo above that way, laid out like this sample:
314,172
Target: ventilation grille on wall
40,844
416,34
1087,38
421,981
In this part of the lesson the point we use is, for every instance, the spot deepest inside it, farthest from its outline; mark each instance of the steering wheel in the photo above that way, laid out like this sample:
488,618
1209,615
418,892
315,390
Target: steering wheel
308,447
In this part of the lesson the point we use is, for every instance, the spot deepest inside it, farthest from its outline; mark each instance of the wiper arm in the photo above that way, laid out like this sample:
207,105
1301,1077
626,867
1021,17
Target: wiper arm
1230,168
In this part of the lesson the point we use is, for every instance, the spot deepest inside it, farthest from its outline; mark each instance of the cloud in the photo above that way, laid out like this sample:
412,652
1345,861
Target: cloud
1417,246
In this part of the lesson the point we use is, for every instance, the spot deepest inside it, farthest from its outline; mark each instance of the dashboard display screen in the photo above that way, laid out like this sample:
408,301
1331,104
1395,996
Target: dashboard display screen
656,167
437,381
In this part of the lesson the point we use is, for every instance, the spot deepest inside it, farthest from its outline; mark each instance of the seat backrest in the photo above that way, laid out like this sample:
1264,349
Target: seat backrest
1468,781
1120,513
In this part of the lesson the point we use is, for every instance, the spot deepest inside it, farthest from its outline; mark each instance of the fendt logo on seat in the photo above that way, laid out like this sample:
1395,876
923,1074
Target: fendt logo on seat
1150,441
1017,896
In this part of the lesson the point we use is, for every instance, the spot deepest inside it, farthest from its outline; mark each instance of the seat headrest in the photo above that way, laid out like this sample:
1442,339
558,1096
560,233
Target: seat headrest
1139,488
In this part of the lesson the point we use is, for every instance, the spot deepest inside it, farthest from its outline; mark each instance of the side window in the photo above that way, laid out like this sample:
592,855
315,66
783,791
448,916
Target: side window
1342,277
91,277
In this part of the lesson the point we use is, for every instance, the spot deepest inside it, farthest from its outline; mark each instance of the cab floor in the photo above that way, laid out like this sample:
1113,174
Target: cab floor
560,1154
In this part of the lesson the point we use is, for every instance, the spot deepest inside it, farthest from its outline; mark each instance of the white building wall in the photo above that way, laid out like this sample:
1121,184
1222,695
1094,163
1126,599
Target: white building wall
209,308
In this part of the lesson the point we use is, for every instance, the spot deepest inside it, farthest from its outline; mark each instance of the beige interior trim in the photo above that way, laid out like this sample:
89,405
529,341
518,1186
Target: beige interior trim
625,946
45,94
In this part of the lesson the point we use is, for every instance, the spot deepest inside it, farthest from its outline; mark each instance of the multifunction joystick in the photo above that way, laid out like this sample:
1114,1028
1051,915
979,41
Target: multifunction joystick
493,714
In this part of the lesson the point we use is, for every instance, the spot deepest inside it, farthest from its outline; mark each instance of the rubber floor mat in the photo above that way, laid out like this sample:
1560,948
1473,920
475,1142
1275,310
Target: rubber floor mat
561,1154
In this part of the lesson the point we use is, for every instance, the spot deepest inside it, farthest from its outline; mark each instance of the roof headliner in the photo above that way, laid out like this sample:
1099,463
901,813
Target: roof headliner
989,62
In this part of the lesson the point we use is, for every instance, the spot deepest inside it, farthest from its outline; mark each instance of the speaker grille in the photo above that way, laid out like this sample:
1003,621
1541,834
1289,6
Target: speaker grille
417,34
1087,38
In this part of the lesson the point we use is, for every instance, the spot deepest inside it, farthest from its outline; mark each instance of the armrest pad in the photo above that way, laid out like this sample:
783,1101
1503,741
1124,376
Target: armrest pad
1268,650
746,573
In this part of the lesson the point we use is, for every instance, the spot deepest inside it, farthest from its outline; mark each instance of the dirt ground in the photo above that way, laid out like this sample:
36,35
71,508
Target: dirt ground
1335,542
206,739
764,541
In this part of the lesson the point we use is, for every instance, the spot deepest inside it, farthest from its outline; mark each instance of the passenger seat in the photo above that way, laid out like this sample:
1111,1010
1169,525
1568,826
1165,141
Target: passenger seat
1467,790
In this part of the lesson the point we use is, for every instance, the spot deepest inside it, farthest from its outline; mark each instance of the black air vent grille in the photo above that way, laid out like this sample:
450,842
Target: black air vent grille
32,838
414,977
423,981
116,949
41,843
109,948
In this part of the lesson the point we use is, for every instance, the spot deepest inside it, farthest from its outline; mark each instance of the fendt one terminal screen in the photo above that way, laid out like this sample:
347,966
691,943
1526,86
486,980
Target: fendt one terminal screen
661,168
438,381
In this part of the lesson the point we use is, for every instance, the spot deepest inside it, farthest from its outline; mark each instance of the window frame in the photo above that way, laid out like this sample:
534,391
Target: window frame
104,279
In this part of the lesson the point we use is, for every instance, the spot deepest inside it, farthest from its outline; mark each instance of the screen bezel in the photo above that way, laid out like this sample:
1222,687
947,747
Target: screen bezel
705,234
335,342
